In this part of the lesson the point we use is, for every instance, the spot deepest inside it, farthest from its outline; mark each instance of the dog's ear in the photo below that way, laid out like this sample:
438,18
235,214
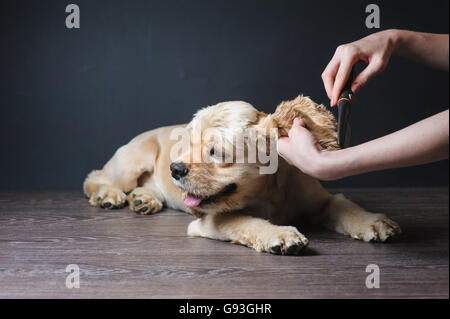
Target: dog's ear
317,118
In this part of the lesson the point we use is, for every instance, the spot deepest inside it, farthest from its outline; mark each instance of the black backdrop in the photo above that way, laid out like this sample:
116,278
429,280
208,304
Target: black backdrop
69,98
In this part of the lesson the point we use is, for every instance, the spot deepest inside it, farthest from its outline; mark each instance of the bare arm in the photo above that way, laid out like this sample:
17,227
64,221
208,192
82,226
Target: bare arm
426,48
423,142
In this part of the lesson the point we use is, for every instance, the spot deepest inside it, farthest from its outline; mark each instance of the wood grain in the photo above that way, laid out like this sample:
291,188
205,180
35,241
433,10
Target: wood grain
124,255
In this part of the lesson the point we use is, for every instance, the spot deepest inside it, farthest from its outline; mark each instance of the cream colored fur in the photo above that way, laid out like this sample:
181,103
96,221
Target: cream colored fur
258,212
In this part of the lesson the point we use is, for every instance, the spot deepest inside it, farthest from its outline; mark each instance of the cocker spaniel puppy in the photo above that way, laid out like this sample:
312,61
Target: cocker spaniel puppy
223,168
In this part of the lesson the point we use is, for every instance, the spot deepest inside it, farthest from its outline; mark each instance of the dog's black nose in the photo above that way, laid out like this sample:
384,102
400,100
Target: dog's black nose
178,170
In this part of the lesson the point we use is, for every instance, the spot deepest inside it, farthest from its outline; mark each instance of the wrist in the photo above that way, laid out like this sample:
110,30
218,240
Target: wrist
394,39
327,166
338,164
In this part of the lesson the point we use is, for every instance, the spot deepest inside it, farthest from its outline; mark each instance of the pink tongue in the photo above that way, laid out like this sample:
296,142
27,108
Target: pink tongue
192,201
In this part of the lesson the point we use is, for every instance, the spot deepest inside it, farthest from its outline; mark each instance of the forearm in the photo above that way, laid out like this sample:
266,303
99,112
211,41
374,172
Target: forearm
426,48
423,142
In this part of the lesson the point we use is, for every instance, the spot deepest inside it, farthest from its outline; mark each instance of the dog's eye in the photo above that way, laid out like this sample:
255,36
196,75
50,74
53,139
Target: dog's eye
214,153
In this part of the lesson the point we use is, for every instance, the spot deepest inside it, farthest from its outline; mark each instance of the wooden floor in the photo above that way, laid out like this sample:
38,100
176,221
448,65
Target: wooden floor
121,254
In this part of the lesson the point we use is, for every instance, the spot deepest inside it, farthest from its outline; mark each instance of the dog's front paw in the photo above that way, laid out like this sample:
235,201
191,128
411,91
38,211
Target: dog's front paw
379,229
142,201
282,240
108,197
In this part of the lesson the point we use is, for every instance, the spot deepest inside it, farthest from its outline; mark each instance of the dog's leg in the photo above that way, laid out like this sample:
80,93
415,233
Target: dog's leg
101,191
145,200
346,217
107,187
249,231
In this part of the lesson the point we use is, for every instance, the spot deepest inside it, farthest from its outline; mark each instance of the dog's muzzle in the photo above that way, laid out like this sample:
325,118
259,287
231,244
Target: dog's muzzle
178,170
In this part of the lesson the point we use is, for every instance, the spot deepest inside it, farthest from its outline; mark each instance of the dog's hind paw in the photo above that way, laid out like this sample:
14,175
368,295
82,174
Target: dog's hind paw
144,202
379,230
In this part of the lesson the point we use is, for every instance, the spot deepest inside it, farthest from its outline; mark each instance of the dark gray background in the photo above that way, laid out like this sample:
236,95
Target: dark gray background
70,98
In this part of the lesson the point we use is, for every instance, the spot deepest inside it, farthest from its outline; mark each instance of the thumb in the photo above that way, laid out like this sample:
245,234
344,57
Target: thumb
299,122
298,126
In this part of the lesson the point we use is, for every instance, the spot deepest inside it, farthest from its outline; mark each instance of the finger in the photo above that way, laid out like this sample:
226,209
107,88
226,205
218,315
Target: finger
283,148
282,145
372,69
287,161
344,71
283,155
329,74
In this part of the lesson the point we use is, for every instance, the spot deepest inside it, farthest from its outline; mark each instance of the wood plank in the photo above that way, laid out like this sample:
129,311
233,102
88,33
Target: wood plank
124,255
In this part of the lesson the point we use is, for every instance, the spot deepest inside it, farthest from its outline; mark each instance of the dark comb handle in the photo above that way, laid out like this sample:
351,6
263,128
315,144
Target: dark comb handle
344,107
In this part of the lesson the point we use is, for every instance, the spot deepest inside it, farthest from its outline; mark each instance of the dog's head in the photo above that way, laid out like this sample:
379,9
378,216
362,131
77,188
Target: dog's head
229,153
214,168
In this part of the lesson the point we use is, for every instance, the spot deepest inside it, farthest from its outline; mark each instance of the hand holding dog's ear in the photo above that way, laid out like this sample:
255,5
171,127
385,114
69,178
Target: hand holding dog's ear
301,148
319,122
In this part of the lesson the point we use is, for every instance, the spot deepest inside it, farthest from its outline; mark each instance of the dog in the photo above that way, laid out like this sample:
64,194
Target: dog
231,200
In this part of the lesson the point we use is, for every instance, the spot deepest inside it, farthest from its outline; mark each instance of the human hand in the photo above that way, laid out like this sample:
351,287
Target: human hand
301,149
375,50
